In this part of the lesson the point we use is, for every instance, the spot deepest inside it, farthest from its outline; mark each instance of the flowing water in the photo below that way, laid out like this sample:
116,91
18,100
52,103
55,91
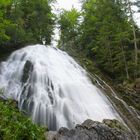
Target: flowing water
51,87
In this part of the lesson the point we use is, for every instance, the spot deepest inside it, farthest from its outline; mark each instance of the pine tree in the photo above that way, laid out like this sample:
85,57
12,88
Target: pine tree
106,32
25,22
69,23
127,6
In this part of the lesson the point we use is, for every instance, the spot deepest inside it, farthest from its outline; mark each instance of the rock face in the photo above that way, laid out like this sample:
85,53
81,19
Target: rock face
27,92
92,130
28,68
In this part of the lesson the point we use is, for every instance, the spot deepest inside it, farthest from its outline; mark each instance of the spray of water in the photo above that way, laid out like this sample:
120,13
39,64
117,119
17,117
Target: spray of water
52,88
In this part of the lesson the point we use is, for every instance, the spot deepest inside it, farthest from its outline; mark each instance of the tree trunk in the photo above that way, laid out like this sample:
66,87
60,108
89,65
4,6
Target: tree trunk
134,34
110,54
125,64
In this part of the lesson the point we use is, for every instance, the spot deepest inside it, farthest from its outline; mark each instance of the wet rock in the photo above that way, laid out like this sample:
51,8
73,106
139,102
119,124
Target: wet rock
26,94
49,135
93,130
28,68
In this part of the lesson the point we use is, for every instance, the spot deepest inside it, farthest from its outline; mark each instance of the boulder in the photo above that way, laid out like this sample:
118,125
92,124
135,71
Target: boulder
93,130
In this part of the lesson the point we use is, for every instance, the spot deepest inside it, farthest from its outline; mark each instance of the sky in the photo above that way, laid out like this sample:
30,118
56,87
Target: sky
68,4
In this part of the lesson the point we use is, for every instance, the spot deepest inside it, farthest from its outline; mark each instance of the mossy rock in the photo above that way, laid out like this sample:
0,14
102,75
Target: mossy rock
114,124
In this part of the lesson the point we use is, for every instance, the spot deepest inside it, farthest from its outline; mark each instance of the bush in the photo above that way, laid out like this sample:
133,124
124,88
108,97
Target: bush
14,125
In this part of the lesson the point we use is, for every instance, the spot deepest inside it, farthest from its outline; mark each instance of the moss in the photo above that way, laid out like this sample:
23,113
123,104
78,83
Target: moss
14,125
114,124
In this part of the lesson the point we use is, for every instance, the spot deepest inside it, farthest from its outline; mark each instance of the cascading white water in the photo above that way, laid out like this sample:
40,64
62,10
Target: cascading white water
53,88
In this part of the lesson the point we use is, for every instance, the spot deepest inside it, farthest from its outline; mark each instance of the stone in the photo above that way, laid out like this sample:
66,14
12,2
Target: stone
93,130
49,135
28,68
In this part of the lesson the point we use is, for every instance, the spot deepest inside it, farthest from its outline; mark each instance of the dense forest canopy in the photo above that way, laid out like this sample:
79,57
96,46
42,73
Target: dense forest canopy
25,22
108,35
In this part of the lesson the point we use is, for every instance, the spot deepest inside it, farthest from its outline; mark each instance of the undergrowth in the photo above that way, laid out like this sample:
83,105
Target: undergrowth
14,125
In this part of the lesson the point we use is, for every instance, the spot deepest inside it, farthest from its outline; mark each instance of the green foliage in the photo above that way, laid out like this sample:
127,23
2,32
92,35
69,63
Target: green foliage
4,23
69,23
37,18
25,22
110,39
106,35
15,126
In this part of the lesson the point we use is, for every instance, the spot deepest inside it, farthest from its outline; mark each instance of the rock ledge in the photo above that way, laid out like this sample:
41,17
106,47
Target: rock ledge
93,130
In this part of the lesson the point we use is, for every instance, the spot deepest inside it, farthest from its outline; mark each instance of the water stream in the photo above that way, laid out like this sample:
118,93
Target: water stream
53,88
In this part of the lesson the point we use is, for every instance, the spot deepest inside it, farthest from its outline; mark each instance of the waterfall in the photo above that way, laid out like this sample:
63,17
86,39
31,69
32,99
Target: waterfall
52,88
